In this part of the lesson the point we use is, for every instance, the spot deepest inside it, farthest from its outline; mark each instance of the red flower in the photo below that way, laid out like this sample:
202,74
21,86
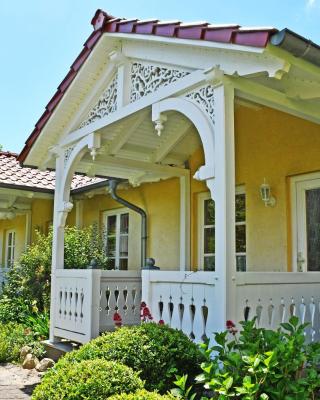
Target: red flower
230,324
117,317
143,304
146,312
161,322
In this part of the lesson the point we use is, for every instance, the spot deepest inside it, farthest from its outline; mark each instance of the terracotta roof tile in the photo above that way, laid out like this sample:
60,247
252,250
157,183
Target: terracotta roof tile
11,173
103,22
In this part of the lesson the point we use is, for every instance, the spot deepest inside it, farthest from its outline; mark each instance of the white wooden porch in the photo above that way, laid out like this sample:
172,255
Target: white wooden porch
190,301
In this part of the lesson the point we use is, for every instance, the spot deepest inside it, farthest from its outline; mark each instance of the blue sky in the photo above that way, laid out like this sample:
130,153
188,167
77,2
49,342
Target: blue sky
41,38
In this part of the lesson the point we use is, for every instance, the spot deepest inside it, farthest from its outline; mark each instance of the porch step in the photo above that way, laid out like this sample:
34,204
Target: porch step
55,350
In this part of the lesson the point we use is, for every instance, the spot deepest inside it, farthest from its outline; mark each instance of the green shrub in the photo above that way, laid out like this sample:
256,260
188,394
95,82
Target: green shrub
12,338
141,395
262,364
27,290
156,350
91,379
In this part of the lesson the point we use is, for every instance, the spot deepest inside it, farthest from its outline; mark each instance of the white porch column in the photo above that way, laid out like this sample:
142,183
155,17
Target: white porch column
185,223
222,188
60,212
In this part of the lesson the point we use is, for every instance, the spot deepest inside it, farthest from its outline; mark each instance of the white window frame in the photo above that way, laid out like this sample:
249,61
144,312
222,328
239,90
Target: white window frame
201,198
9,263
117,212
298,185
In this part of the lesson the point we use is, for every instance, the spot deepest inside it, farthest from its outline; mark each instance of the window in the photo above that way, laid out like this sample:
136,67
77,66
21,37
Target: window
117,238
207,231
10,248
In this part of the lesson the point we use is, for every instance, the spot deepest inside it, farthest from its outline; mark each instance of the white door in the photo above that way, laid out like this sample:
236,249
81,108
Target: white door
306,223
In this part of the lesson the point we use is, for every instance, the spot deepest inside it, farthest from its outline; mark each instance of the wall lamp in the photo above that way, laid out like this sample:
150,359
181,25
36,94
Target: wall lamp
266,195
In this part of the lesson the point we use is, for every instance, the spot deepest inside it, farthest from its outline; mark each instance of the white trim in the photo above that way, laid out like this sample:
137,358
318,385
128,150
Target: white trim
13,247
185,223
117,212
298,185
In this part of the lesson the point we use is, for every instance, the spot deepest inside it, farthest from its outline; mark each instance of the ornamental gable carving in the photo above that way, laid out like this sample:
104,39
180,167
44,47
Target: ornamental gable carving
146,79
205,98
106,104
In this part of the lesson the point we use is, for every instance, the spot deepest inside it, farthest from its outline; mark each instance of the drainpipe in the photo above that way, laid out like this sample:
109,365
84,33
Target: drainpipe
113,192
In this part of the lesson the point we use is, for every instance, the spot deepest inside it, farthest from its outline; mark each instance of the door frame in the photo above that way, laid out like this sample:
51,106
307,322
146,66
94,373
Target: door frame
298,185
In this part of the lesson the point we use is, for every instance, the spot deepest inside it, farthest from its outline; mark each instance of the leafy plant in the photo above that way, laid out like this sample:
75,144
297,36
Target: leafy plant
39,325
140,395
262,364
90,379
27,291
157,351
12,338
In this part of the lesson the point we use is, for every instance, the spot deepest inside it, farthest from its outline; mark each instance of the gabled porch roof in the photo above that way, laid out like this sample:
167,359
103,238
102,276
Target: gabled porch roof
230,36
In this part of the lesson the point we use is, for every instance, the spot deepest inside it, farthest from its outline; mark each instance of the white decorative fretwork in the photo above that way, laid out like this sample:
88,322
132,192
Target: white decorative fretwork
205,98
67,154
106,104
147,79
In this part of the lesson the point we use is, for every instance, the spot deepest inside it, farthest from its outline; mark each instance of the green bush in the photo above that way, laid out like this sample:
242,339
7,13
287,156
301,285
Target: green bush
141,395
261,364
12,338
27,290
91,379
158,351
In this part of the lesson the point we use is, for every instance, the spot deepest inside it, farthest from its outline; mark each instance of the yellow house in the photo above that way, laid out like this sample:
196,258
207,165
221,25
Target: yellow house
208,138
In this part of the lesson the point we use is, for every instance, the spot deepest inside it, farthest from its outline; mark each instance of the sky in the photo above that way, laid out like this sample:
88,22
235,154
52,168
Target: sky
41,39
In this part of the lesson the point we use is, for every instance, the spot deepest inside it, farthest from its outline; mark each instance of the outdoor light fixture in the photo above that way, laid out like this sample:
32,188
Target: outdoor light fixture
266,196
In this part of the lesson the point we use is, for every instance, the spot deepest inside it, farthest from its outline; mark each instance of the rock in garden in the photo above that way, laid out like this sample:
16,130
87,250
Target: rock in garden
24,351
44,364
30,362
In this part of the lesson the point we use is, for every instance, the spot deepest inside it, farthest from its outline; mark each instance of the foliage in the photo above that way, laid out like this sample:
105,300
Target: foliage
12,338
27,290
261,364
140,395
156,350
39,324
90,379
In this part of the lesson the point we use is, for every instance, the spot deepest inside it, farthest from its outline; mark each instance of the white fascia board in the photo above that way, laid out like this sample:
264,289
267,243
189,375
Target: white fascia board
185,42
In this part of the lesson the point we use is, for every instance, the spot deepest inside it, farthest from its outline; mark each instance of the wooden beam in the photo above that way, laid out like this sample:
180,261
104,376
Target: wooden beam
169,144
122,138
275,99
135,166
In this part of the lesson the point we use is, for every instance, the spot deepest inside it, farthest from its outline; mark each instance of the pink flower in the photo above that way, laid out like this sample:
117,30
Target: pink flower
231,327
161,322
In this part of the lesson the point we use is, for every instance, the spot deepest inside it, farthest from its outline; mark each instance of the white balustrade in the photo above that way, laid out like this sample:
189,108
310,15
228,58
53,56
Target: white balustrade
274,297
120,293
189,301
77,298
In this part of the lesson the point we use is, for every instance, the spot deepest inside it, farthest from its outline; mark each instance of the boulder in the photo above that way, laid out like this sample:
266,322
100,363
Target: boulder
30,362
44,364
24,351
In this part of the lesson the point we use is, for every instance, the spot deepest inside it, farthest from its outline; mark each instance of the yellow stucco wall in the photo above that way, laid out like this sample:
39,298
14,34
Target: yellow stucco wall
272,145
41,217
161,203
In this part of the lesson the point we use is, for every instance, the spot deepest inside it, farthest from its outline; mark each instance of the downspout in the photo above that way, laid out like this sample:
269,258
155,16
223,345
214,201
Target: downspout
113,192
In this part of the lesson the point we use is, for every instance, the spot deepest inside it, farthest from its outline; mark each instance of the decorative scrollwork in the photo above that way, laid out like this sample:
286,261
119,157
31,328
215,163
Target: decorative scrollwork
106,105
147,79
67,154
205,98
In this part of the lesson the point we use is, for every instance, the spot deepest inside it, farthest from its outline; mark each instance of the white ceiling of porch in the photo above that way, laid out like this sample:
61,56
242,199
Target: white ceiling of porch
131,149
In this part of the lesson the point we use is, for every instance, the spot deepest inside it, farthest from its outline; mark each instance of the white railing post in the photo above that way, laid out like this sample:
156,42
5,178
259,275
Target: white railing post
94,311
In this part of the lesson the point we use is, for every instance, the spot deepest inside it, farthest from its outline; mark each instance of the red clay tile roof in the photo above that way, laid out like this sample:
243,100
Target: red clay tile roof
103,22
12,174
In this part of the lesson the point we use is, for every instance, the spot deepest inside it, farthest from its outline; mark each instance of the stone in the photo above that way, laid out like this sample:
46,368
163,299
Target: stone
30,362
24,351
44,364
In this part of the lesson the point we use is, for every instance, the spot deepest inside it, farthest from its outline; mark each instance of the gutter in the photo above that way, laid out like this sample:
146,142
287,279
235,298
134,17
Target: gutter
297,45
112,185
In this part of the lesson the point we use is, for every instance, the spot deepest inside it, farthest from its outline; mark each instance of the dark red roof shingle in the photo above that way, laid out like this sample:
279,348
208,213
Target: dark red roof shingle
12,173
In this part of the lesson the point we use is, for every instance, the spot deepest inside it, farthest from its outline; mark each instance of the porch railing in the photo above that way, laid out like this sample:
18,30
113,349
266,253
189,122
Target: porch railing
275,297
87,300
189,301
